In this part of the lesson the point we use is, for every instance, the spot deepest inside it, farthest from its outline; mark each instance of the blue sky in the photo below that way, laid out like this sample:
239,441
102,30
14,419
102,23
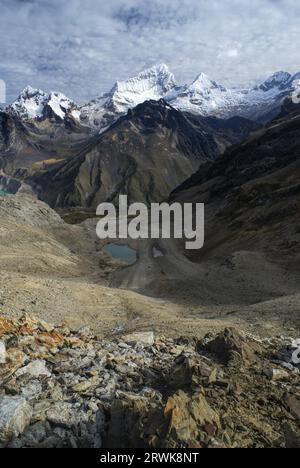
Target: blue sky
81,47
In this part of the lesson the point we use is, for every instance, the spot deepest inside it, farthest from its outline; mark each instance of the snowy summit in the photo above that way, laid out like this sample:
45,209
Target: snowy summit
202,97
36,104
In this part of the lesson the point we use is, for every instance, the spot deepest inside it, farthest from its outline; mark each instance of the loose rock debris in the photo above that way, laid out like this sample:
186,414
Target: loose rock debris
61,388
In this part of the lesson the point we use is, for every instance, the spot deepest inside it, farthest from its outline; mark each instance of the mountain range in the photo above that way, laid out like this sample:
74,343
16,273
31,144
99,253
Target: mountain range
143,138
202,97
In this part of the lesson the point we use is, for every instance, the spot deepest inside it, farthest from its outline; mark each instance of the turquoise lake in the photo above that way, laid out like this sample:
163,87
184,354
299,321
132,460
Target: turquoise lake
121,252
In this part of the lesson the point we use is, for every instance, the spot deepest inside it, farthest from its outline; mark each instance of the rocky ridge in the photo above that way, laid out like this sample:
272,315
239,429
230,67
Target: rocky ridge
146,154
64,388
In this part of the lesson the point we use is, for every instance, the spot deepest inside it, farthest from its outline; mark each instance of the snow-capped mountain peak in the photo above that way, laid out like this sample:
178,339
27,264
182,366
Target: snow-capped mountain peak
201,93
278,79
203,96
203,84
36,104
153,83
30,103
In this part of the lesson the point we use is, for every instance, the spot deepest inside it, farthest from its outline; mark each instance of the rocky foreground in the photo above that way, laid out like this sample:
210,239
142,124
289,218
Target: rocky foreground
60,388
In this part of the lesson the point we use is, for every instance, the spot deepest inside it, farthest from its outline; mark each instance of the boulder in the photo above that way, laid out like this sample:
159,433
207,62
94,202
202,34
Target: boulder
15,416
34,369
85,332
86,385
143,338
188,415
231,347
15,359
65,415
2,352
190,370
32,391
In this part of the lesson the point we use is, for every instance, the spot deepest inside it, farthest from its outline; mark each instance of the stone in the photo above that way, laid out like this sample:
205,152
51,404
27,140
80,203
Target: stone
187,415
295,343
32,390
143,338
290,367
6,326
15,359
34,435
65,415
34,369
190,370
50,442
15,416
84,332
276,374
213,377
86,385
45,327
293,404
2,352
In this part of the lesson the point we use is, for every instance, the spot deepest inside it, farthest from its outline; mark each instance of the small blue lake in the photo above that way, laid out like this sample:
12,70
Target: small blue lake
122,253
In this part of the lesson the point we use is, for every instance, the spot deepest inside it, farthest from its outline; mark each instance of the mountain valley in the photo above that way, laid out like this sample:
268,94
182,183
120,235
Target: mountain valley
87,338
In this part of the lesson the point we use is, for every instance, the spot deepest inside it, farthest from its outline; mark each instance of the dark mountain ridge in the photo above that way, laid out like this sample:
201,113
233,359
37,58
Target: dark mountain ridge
145,154
252,192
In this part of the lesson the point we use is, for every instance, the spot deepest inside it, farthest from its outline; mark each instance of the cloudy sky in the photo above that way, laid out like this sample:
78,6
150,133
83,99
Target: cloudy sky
81,47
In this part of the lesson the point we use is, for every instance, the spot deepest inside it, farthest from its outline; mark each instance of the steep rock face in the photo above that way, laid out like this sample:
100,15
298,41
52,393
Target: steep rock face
144,155
227,131
27,145
7,132
38,130
13,141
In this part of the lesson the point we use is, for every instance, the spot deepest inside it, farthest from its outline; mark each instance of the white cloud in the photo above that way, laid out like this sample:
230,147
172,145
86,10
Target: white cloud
81,47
